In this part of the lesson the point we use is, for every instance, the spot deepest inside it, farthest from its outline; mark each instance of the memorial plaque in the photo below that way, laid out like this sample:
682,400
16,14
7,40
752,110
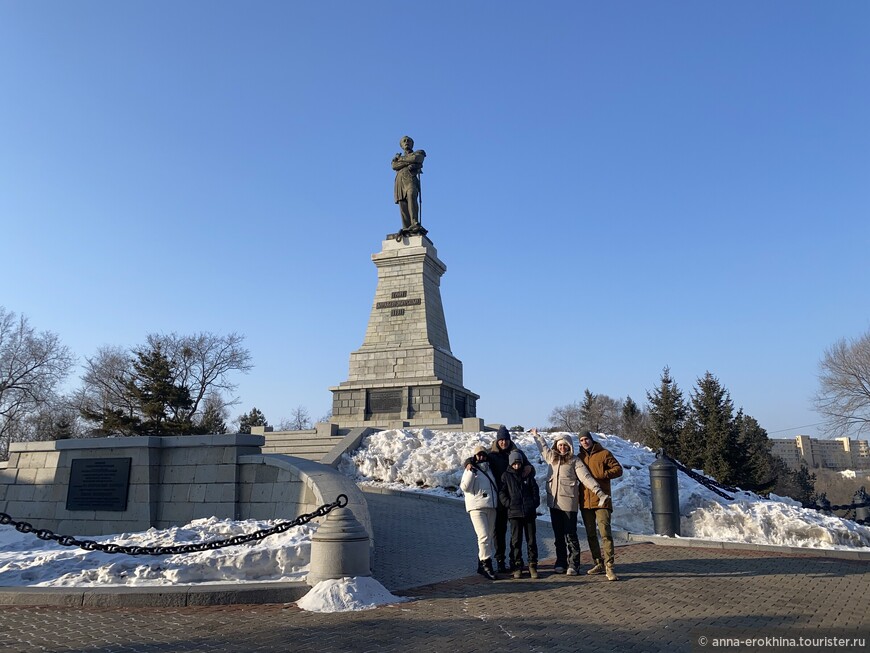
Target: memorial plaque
384,401
99,484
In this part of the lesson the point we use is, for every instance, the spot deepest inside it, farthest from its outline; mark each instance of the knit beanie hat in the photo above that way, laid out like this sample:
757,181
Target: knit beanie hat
503,433
515,457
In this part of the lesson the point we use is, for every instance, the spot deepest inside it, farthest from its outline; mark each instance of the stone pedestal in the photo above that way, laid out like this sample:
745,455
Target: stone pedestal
405,374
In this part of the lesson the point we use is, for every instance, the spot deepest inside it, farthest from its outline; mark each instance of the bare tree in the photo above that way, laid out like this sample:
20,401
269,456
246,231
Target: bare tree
32,366
104,385
203,362
844,386
299,420
600,413
567,418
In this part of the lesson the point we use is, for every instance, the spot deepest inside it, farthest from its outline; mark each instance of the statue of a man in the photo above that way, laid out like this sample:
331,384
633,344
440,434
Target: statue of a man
408,165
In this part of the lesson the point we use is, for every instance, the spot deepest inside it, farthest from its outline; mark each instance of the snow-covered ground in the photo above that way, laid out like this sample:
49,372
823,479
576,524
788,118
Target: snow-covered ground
420,460
413,460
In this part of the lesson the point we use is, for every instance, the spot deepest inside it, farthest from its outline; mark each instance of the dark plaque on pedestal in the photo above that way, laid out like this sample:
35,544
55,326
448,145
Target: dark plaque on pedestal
99,484
384,401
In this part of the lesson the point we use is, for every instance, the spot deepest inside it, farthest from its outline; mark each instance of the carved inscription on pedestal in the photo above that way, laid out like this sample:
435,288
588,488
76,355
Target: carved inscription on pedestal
99,484
383,401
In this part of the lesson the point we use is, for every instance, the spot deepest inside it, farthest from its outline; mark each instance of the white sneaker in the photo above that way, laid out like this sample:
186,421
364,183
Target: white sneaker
572,571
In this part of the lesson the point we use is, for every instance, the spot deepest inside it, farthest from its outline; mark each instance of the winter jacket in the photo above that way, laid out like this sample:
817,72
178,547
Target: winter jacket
565,475
498,458
603,467
480,488
521,496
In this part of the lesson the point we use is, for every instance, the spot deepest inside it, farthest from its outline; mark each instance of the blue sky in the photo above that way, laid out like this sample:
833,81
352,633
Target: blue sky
614,187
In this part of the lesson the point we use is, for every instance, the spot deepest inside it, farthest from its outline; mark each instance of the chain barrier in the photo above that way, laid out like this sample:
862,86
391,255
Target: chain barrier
718,488
708,483
91,545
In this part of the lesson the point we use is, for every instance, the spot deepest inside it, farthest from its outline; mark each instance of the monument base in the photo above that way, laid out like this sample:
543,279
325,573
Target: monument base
405,374
395,405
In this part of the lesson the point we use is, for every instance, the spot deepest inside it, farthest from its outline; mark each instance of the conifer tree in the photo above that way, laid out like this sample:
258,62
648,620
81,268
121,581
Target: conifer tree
633,421
254,418
162,405
713,415
754,467
589,413
667,411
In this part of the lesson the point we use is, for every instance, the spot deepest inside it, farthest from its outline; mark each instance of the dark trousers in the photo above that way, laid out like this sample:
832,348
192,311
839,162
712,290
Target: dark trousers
527,527
565,533
501,523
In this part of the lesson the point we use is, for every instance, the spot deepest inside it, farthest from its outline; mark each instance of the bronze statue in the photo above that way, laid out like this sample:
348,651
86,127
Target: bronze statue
408,165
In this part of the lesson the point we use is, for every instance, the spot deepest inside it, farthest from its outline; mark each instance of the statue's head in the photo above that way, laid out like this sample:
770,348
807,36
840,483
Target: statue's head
409,141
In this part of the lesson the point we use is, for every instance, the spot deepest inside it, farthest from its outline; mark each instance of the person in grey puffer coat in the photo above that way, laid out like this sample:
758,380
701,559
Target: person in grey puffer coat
481,497
565,476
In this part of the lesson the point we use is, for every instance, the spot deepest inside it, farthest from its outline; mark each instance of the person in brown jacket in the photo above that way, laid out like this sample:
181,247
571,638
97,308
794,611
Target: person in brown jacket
603,466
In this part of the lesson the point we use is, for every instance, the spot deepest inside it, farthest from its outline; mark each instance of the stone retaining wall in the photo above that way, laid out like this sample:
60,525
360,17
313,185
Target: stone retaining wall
172,481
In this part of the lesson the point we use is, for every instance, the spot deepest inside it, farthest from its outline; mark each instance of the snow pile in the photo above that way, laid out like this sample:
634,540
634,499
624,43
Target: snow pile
347,594
26,560
420,460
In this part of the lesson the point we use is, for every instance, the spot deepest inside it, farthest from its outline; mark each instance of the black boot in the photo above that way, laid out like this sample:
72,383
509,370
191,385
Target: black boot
480,566
502,567
487,569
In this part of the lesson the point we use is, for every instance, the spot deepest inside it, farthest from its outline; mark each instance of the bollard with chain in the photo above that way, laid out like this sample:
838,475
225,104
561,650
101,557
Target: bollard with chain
339,549
91,545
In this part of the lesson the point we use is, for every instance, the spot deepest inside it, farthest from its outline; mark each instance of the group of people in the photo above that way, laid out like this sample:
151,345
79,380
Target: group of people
500,489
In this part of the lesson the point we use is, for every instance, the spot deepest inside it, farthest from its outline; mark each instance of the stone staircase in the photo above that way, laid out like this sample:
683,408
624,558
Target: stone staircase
323,444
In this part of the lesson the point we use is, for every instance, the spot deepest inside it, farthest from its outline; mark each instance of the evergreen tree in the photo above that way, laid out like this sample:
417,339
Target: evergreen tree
214,415
690,443
254,418
633,421
163,406
754,465
713,415
154,403
668,415
590,416
800,485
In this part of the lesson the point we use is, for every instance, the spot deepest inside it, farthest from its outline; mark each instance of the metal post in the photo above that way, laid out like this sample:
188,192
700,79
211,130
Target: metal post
665,496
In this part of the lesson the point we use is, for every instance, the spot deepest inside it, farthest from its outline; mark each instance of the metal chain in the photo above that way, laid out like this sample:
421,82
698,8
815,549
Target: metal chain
703,480
845,506
91,545
717,488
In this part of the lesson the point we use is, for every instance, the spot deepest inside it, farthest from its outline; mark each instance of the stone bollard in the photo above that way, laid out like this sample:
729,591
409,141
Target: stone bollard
339,548
665,496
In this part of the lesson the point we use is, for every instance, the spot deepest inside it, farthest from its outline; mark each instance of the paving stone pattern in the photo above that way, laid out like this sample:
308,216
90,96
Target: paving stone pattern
666,598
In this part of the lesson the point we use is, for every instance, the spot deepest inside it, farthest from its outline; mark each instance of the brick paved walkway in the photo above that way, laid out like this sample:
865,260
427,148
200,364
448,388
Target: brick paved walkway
668,596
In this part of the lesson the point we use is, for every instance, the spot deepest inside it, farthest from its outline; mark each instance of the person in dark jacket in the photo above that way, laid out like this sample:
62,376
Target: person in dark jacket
521,497
499,453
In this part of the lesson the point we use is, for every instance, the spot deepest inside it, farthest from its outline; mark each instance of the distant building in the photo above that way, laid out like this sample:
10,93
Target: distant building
837,454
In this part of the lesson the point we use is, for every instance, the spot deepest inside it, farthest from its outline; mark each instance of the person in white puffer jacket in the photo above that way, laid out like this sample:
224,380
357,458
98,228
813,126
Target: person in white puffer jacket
481,498
563,498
